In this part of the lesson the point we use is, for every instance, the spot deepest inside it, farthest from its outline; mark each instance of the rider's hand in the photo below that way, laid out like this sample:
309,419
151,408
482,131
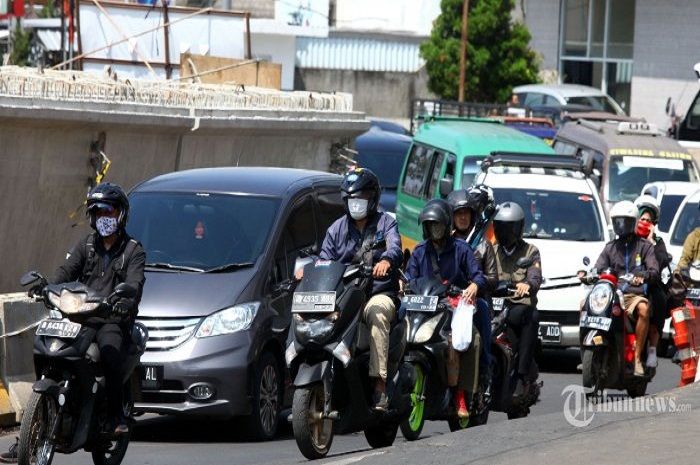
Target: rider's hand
298,274
469,294
120,309
522,289
381,269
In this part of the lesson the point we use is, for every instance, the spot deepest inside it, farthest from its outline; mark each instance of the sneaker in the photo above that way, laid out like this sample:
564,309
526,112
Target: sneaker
381,401
652,361
638,368
461,405
11,455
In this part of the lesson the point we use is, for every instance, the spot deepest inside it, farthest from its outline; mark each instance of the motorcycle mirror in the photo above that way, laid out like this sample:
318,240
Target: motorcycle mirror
524,262
125,291
586,261
30,277
668,106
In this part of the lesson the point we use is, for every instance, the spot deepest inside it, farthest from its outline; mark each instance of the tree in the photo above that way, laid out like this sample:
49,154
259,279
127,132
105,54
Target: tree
498,52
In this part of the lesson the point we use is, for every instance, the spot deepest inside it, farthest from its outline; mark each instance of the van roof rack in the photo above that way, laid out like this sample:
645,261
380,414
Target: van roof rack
534,160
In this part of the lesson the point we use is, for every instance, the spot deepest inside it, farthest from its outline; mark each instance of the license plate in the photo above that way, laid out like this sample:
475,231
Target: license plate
550,332
58,328
420,303
693,294
151,377
497,303
321,302
596,322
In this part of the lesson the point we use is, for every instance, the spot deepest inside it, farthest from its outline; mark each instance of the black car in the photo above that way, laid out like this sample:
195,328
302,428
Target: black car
222,245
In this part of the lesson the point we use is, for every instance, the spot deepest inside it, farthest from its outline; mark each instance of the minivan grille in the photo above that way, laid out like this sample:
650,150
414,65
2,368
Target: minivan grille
168,333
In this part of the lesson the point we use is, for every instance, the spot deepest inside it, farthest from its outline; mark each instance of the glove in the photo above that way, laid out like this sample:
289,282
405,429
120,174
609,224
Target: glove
121,309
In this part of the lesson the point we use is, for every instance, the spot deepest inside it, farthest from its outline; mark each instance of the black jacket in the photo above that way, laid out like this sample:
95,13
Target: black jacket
106,268
634,255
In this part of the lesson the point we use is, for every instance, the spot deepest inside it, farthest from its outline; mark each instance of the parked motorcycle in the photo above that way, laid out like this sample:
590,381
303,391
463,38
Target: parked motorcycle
328,357
429,305
608,338
67,410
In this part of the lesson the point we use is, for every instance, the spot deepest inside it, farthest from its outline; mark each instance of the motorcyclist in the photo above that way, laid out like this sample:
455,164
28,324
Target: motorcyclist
451,260
467,208
523,318
648,217
691,250
348,240
631,254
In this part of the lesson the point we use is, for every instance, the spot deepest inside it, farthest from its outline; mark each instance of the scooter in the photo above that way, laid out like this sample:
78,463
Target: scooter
67,410
608,338
429,304
327,354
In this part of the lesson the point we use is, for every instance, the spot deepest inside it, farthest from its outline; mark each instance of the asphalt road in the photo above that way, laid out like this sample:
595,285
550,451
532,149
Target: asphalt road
172,441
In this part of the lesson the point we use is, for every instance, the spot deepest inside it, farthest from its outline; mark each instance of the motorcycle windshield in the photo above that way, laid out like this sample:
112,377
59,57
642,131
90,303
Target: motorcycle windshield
322,275
428,286
75,288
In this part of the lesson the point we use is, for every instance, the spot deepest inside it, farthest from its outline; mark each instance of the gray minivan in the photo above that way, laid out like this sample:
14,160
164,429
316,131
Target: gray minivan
221,247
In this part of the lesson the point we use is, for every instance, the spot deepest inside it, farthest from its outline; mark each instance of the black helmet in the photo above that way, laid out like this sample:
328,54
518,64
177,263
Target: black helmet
508,224
459,199
438,211
360,180
107,195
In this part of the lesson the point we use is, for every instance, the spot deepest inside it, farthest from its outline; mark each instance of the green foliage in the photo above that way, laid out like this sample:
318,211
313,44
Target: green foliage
48,10
498,54
20,47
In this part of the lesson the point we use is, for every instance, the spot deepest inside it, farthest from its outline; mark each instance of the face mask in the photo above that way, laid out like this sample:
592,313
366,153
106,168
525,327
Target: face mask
437,231
106,226
358,208
643,229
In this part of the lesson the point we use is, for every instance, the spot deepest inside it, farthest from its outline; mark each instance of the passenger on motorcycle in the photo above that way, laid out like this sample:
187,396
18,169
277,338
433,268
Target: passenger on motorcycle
451,260
467,208
648,217
523,318
349,240
632,255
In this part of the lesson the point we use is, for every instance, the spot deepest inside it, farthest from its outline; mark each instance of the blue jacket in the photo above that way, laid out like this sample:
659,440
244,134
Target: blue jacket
456,262
343,240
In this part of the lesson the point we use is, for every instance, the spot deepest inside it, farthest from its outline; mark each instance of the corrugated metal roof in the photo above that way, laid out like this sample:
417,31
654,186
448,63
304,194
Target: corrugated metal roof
358,54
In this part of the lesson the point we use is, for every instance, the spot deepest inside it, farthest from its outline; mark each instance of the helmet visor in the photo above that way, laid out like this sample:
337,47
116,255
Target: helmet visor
507,232
623,225
101,207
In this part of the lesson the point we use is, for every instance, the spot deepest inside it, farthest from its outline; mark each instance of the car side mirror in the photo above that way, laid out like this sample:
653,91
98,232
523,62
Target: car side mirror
29,278
125,291
586,261
445,187
668,106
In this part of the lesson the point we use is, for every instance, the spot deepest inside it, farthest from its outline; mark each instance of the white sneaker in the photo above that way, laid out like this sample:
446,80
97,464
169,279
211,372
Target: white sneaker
652,361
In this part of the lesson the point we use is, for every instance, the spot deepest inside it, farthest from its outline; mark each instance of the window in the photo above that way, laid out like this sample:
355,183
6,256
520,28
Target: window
688,220
533,99
434,186
330,208
301,225
470,168
417,170
564,148
694,118
628,175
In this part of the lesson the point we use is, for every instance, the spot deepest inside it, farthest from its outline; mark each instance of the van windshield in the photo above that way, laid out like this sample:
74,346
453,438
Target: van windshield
201,231
563,216
628,175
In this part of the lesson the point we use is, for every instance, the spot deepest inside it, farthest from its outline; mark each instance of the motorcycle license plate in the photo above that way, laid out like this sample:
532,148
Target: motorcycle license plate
151,377
596,322
497,303
313,302
693,294
58,328
550,332
420,303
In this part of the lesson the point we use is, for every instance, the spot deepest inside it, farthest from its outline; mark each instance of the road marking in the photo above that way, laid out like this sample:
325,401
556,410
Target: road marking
350,460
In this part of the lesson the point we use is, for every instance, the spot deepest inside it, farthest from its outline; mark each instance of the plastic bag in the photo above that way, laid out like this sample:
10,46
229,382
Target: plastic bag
462,322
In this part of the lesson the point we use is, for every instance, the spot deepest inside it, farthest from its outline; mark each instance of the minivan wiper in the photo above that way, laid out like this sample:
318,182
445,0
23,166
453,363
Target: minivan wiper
170,266
229,267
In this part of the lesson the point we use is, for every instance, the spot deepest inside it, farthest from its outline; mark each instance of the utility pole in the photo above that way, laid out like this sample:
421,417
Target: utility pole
463,50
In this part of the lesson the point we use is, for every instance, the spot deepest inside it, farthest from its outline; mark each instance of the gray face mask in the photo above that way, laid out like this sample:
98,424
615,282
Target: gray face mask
358,208
437,231
106,226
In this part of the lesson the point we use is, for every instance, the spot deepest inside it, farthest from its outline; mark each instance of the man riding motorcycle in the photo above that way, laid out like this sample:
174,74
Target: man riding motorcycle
691,250
648,217
348,240
523,318
453,261
631,254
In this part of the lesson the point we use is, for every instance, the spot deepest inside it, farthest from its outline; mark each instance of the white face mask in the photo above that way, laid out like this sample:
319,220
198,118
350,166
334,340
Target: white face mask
437,231
106,226
358,208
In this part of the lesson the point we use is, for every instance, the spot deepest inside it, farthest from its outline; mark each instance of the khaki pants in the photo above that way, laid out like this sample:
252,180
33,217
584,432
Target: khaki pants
463,367
379,312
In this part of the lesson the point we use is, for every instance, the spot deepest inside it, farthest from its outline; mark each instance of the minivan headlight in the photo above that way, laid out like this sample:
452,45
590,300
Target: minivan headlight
228,320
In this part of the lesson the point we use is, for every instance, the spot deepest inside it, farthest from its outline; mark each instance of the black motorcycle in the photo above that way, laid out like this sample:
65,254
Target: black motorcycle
504,379
428,304
328,357
67,410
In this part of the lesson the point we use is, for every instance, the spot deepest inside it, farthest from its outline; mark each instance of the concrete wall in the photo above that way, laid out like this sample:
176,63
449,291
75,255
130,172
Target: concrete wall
277,49
542,19
382,94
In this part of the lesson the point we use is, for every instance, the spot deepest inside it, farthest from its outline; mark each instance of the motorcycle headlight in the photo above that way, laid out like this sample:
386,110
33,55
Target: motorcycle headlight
72,302
599,299
425,332
228,320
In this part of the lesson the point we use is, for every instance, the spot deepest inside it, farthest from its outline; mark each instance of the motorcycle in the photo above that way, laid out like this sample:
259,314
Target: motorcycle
328,356
608,338
428,305
67,410
506,357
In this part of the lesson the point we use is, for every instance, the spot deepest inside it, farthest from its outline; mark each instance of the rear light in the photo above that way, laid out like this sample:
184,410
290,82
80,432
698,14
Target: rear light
630,340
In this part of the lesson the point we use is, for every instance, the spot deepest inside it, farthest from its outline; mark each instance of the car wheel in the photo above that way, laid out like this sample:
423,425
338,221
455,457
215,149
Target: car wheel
267,393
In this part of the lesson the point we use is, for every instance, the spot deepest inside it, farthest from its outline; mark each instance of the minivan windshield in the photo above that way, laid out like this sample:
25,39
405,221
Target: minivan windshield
200,231
628,175
596,102
563,216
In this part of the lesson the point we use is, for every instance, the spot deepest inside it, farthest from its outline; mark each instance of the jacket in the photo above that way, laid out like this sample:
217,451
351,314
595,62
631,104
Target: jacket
456,262
634,255
509,271
691,250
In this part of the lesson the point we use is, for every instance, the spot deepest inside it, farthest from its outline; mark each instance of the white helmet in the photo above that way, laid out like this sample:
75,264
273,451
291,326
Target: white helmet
647,202
624,218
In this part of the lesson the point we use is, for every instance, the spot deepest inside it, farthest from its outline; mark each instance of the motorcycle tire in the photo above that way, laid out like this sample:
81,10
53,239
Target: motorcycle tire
412,426
113,452
40,414
591,370
637,389
382,435
457,424
313,442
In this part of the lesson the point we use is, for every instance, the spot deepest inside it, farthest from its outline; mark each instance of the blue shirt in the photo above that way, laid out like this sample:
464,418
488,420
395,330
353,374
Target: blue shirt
456,262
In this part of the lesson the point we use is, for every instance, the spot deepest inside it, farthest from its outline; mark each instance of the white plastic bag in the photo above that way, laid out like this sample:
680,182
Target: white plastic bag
462,326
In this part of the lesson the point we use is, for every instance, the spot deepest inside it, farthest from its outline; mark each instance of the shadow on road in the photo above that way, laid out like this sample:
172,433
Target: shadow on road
559,361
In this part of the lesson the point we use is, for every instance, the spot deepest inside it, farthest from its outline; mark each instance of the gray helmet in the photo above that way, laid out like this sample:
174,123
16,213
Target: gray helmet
508,224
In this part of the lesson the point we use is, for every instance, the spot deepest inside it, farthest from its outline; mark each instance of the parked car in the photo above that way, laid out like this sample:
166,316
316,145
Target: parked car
222,245
384,153
445,155
564,219
389,126
566,94
669,196
624,156
684,222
